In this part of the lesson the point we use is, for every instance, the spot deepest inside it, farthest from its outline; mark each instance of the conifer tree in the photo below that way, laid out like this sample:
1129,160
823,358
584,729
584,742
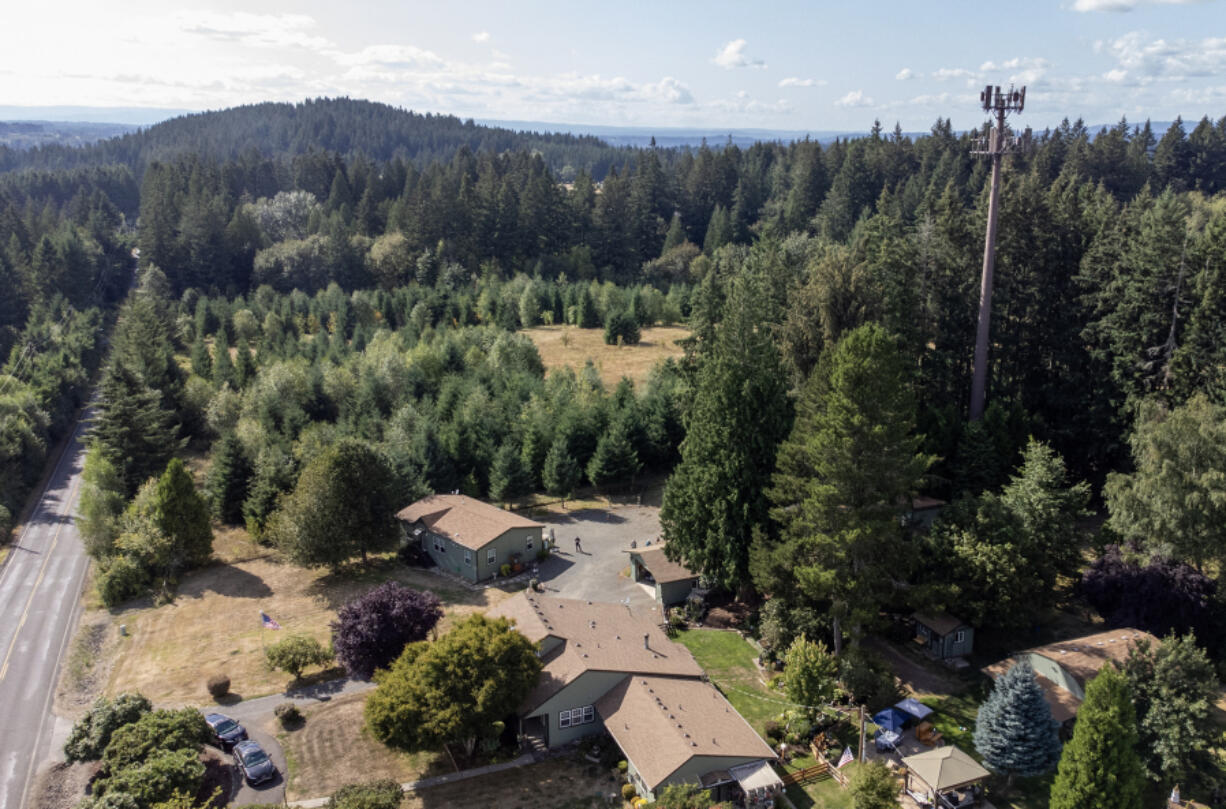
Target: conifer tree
202,363
508,478
244,368
675,235
714,500
228,480
1014,731
182,515
561,472
1100,767
133,429
101,502
615,458
223,366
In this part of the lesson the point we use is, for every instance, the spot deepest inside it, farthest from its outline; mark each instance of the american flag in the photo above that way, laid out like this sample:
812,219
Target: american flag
847,758
268,622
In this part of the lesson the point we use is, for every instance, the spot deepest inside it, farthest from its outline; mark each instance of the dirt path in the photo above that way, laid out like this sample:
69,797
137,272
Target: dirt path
916,678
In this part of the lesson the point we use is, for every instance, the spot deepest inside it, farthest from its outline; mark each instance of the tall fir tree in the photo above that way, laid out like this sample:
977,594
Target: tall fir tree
1100,767
714,500
561,472
614,458
1014,731
228,480
133,429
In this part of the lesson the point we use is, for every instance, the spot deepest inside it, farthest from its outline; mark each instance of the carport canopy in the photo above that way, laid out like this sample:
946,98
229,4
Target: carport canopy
890,719
913,707
757,778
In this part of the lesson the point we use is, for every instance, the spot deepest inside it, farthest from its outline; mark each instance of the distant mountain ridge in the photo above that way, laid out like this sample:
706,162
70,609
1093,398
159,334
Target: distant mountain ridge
29,134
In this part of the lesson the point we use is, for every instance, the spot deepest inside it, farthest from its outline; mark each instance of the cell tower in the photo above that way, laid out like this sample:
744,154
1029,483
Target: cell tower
997,144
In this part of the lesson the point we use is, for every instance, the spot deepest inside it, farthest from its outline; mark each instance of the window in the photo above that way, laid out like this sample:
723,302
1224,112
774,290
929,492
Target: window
440,544
960,636
468,558
576,716
491,556
528,545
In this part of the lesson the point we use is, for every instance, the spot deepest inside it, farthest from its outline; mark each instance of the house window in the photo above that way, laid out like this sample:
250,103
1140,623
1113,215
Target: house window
960,636
528,545
440,544
576,716
468,558
491,556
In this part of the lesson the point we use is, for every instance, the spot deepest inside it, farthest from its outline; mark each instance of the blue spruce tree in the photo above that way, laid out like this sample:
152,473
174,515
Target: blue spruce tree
1015,732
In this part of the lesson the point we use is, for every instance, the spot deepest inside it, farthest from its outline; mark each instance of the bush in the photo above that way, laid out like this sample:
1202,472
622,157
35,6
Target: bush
156,779
773,731
621,325
120,579
371,631
542,554
289,714
295,653
381,794
622,766
155,733
868,679
218,685
412,555
92,732
676,618
628,792
504,570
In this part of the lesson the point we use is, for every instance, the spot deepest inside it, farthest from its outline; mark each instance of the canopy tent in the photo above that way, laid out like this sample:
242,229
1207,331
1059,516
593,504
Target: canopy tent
757,778
944,768
890,719
913,707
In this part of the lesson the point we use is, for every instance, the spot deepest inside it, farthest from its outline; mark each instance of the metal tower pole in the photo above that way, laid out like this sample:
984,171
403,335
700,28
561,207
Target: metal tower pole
979,382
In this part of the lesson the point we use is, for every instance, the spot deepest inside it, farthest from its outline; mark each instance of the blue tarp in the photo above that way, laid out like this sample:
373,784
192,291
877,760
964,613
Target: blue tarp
890,719
913,707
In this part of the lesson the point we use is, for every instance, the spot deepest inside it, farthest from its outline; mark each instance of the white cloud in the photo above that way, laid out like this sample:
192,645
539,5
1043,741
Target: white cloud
947,73
390,56
905,74
481,36
856,98
1175,60
793,81
1125,5
259,30
732,55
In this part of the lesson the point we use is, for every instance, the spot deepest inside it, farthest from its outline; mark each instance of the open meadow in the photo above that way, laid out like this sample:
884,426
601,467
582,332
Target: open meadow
569,346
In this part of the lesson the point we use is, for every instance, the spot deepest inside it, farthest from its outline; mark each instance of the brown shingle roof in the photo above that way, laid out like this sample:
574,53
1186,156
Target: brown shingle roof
660,723
464,520
940,622
596,636
661,568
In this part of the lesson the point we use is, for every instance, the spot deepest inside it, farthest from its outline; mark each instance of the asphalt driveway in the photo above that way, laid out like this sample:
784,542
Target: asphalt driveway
269,792
594,573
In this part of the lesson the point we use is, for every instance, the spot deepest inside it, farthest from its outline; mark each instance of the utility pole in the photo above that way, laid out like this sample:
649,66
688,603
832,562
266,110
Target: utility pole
995,146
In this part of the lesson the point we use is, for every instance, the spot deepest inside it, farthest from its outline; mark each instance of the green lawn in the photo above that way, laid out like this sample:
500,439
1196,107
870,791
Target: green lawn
729,660
825,794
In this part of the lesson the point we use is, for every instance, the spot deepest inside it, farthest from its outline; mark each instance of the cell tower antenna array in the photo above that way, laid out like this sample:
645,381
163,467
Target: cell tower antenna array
995,145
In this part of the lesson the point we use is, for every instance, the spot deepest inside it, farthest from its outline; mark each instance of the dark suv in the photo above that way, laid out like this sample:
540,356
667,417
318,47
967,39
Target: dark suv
225,730
257,767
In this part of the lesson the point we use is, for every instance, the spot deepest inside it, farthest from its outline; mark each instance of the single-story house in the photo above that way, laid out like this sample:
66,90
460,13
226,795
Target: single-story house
470,538
1064,668
673,581
943,636
608,667
924,511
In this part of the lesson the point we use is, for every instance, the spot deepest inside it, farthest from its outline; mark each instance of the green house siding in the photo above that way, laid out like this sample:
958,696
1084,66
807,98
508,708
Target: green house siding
690,772
674,592
584,691
476,565
946,646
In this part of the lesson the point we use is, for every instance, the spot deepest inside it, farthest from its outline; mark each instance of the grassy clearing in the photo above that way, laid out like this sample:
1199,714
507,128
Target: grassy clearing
332,749
563,783
213,624
729,660
569,346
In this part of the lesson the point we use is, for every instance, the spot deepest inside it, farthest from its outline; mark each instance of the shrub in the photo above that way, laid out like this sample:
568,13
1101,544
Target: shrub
621,325
542,554
676,618
773,731
120,579
412,555
371,631
295,653
622,766
154,733
504,570
868,679
218,685
92,732
628,792
156,779
289,714
381,794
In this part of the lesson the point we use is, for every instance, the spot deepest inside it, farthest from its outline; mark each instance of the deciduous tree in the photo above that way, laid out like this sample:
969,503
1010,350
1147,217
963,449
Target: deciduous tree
372,630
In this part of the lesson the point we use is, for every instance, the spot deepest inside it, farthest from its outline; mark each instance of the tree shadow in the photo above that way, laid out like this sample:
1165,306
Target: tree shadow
584,515
321,685
231,698
224,580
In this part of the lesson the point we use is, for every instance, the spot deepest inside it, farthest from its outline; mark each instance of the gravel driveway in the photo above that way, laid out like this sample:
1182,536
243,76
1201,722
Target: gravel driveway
244,794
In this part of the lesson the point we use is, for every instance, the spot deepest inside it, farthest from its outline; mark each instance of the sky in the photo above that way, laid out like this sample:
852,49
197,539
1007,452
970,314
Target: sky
786,65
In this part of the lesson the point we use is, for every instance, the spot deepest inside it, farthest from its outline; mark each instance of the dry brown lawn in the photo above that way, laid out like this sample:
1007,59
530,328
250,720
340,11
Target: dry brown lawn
332,749
213,625
569,346
565,783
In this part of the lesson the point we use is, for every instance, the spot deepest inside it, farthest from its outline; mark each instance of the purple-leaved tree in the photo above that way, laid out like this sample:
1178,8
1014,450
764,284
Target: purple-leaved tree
372,630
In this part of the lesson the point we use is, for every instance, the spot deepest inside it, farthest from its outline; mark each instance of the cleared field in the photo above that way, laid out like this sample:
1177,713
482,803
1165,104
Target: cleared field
332,749
564,783
213,625
569,346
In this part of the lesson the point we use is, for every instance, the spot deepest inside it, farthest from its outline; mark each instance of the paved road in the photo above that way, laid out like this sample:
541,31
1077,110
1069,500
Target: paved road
40,587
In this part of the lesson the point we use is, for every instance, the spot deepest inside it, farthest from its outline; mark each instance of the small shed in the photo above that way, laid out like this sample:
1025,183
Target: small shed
948,775
673,580
943,636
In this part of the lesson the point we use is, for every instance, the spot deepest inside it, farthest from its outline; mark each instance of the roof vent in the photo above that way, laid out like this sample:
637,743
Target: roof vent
693,744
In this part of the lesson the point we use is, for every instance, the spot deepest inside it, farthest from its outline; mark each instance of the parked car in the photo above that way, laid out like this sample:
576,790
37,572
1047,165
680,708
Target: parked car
226,731
255,764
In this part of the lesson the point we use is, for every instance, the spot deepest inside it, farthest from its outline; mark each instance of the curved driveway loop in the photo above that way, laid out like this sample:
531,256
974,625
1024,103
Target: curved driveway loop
244,794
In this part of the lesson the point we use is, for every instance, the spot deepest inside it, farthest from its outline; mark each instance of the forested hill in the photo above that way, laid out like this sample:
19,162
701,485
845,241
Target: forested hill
345,126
